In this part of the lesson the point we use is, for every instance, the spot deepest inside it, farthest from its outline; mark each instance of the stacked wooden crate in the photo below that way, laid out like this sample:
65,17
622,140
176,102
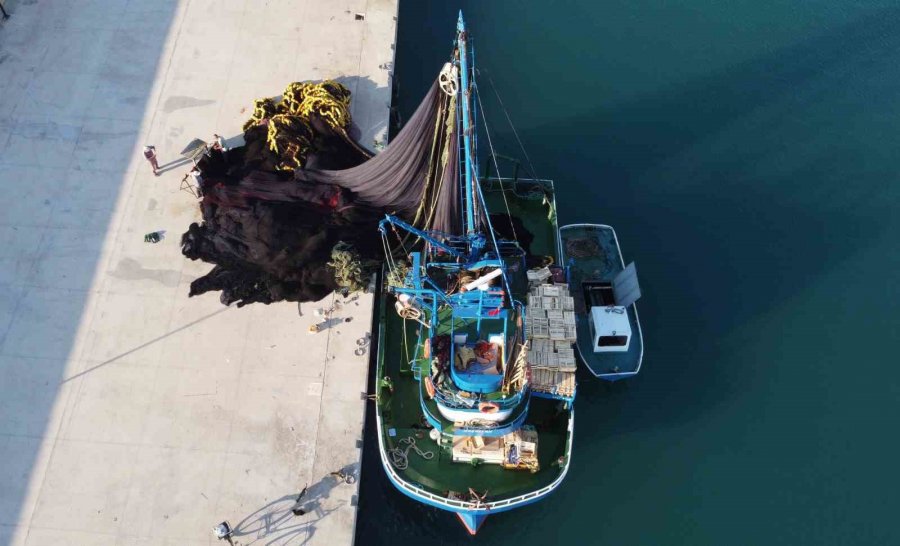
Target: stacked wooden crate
550,329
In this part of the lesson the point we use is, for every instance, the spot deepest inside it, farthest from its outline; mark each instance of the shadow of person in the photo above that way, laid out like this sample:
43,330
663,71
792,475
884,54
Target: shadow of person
290,520
175,163
347,474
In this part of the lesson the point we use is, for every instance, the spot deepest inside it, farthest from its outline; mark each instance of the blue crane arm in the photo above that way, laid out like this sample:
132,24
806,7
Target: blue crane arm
394,221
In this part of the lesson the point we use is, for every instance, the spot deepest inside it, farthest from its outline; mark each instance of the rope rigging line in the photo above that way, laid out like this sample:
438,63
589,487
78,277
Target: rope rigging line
406,342
513,127
389,259
490,227
400,239
496,165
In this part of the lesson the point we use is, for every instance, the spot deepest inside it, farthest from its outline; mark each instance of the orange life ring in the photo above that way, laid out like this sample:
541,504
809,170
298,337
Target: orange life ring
488,407
429,387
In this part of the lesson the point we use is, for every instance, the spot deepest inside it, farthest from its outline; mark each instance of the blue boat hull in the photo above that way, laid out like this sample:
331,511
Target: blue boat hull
472,522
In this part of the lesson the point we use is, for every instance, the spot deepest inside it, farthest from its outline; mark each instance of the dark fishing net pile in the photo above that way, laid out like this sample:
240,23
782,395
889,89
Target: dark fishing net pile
275,209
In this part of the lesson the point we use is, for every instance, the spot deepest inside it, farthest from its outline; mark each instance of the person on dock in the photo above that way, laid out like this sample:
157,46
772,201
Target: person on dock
219,143
196,176
150,155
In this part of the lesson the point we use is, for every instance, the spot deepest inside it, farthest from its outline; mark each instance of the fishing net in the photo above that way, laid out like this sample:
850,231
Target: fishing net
292,123
415,176
275,210
582,247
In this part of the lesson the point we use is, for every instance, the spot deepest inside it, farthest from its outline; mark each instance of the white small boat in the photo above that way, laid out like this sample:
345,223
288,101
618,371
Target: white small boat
609,342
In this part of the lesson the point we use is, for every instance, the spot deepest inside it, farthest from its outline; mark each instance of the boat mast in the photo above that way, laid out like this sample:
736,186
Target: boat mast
472,191
471,196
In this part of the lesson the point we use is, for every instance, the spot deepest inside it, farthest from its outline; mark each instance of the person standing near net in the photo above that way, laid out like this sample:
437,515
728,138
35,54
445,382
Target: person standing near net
219,143
150,155
196,176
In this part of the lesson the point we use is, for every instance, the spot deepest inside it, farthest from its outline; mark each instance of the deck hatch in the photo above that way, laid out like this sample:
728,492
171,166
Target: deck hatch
625,286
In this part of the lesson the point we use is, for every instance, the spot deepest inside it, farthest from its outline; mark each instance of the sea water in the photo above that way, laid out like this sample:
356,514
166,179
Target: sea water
746,153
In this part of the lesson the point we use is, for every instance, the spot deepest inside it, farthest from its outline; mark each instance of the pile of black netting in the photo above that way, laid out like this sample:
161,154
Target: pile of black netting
269,235
277,211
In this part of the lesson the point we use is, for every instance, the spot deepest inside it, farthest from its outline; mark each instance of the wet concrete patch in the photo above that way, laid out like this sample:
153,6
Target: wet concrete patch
131,270
181,102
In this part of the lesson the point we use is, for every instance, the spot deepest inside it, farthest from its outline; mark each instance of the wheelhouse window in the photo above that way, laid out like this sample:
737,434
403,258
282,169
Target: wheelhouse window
612,341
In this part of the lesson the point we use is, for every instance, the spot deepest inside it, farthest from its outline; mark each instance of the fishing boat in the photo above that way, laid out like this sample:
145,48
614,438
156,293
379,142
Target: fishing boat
610,342
477,321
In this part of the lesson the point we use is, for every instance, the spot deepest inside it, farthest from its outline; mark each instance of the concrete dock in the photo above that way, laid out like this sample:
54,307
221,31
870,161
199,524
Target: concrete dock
129,413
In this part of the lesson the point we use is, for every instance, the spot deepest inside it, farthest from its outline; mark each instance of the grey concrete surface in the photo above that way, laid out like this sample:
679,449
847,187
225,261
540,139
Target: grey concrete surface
130,414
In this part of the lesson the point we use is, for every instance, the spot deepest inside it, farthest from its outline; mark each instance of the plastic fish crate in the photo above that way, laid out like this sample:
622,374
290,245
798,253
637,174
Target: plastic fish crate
551,290
540,328
556,314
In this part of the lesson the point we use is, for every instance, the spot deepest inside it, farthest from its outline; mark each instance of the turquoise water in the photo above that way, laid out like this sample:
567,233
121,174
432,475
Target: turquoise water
747,155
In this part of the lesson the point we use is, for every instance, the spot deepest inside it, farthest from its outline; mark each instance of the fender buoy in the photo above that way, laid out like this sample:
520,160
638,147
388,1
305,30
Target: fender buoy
488,407
426,349
429,387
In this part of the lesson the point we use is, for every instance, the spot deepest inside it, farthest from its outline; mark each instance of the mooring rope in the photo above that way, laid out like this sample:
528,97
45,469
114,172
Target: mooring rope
400,457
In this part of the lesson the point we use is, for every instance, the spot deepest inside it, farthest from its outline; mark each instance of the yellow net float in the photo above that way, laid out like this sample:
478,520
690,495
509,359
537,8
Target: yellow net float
290,133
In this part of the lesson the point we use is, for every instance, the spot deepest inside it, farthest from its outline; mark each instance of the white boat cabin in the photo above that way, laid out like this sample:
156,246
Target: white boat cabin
610,329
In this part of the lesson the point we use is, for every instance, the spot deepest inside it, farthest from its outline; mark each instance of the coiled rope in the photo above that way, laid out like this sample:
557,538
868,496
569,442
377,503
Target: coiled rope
400,457
350,270
409,313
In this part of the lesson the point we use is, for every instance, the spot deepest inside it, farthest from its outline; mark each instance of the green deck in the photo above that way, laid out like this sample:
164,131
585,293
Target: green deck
539,218
401,412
